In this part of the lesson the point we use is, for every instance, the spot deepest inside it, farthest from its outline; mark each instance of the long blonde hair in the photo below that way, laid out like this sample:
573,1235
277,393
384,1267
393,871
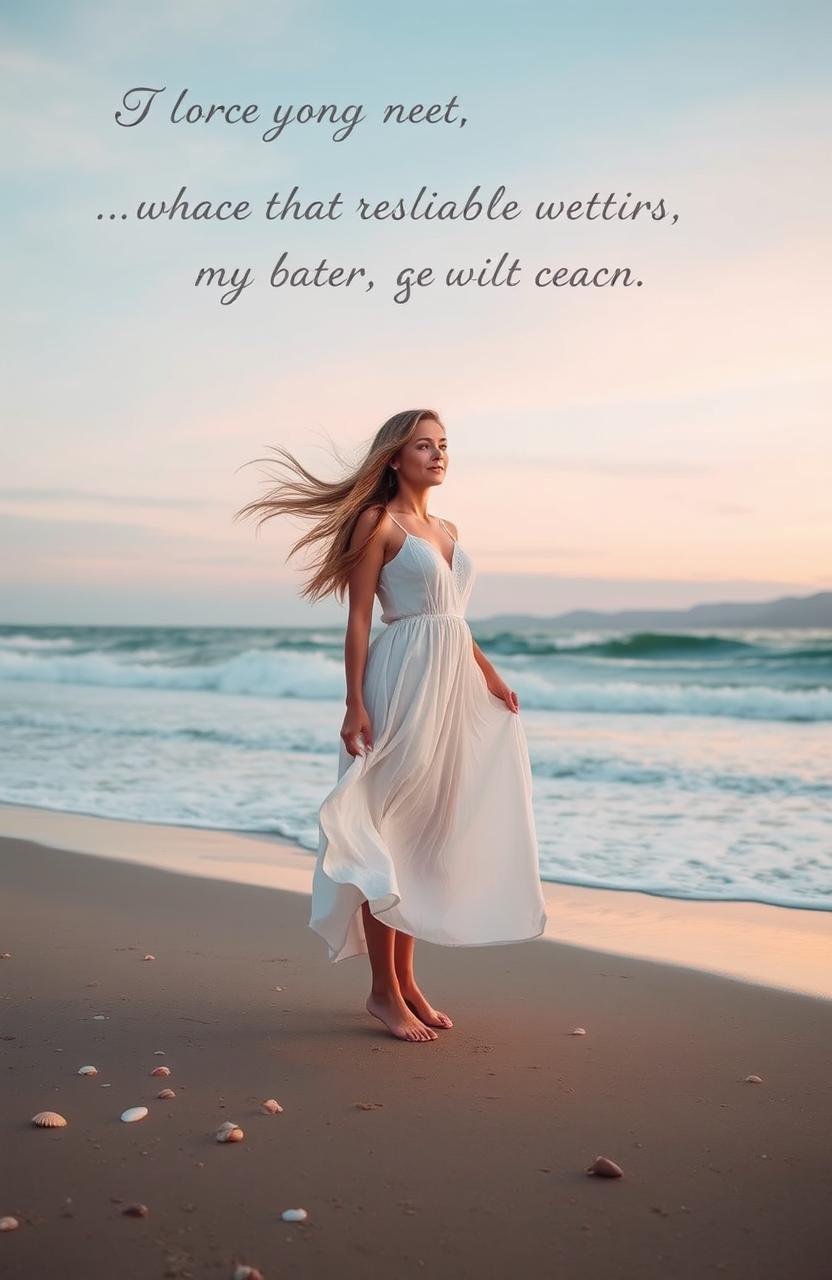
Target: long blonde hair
337,503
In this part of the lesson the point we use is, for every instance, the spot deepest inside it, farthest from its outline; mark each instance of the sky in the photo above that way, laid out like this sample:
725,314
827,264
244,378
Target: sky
661,445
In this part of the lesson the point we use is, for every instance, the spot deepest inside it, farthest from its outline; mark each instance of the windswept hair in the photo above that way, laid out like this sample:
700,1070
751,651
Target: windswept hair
336,504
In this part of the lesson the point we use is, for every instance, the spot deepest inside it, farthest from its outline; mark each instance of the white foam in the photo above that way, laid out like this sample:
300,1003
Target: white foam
286,673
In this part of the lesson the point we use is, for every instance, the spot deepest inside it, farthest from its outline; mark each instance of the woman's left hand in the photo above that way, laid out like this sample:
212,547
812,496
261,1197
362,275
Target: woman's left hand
500,689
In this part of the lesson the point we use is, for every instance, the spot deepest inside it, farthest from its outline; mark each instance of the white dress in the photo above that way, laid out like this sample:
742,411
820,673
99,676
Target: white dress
433,827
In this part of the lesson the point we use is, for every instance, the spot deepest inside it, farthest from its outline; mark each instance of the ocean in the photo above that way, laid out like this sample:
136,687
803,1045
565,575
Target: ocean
688,765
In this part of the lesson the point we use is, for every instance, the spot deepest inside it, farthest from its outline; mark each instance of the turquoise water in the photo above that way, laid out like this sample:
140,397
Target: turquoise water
694,765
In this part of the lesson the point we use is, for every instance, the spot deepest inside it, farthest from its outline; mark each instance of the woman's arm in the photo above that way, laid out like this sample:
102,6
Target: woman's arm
484,665
362,585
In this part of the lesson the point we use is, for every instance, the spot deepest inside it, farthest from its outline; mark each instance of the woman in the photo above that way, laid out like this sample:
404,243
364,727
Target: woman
429,831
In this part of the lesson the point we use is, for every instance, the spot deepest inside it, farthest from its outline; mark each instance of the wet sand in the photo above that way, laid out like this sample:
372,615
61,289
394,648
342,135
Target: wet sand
779,947
471,1159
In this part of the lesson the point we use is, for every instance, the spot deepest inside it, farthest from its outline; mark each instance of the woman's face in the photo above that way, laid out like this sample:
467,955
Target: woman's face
423,461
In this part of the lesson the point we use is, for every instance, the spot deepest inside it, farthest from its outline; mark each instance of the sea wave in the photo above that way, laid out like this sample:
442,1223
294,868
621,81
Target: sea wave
18,640
315,675
654,646
254,672
738,701
605,771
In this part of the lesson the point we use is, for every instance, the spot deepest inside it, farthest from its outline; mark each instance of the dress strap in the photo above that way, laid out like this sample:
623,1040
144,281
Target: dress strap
395,521
401,526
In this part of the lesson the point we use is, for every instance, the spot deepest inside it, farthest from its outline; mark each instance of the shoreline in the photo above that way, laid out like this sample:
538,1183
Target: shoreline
784,948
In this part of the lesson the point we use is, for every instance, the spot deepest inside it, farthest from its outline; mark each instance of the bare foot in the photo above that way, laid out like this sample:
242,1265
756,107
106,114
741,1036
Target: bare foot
394,1013
426,1013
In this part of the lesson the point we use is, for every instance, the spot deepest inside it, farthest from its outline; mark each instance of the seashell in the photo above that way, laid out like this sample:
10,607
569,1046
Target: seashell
134,1113
242,1272
160,1071
606,1168
579,1031
148,957
166,1093
294,1215
88,1071
270,1106
136,1210
158,1053
8,1224
7,955
105,1086
48,1120
753,1080
100,1017
230,1132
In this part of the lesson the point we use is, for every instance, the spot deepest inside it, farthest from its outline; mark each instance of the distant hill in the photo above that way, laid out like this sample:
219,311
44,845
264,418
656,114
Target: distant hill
790,611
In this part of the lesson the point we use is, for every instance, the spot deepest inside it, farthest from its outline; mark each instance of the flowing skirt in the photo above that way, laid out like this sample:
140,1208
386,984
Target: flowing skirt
434,827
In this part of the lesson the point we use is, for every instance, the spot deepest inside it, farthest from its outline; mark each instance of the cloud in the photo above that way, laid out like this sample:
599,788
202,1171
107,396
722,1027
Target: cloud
66,538
730,509
22,494
525,553
682,429
661,468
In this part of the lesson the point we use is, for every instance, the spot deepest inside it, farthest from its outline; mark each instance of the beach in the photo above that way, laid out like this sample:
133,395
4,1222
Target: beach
576,618
455,1157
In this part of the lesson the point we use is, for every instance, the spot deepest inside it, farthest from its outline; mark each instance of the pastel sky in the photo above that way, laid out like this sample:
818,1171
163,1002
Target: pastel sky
655,446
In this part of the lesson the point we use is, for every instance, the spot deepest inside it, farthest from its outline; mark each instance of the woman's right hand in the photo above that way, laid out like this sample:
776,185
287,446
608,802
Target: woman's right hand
357,724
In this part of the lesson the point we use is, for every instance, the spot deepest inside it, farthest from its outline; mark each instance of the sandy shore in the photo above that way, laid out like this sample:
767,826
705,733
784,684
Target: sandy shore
779,947
472,1160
